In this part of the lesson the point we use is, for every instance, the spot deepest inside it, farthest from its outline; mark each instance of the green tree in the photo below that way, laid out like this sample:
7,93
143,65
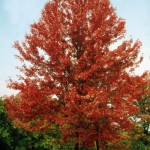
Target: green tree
14,138
5,129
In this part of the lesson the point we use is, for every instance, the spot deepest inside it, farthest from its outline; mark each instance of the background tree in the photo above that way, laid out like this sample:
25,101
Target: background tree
14,138
141,132
144,106
72,75
5,138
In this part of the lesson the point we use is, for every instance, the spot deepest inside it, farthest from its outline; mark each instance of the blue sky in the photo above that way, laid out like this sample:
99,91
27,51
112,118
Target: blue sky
17,15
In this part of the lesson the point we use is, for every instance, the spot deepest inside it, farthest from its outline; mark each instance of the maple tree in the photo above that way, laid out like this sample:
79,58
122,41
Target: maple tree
72,75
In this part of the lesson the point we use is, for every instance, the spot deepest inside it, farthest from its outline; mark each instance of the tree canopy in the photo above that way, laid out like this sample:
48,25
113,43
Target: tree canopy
73,78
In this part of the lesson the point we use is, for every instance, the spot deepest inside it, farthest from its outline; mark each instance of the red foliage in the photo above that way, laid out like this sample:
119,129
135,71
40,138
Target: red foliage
68,54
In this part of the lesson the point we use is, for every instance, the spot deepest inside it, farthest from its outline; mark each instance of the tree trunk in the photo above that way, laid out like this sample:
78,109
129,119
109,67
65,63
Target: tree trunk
76,146
97,145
